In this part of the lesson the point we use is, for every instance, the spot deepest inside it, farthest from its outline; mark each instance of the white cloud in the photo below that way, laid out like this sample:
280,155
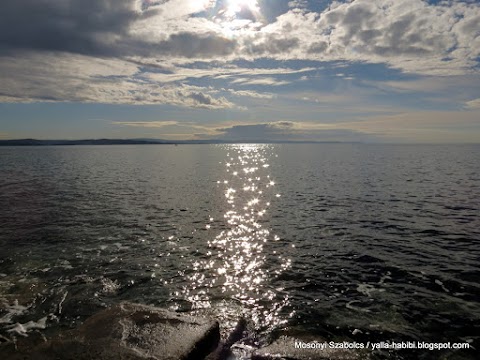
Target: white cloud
251,93
86,79
181,8
473,104
147,124
411,35
164,129
217,70
267,81
295,4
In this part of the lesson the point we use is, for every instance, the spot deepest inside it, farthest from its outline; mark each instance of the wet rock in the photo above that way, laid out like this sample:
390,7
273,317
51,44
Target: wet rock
284,348
223,350
130,332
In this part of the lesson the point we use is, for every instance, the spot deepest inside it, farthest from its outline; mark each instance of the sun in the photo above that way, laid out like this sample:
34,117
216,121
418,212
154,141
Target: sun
236,6
238,16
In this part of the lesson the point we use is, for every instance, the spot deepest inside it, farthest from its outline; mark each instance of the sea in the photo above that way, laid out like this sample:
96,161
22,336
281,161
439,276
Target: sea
356,242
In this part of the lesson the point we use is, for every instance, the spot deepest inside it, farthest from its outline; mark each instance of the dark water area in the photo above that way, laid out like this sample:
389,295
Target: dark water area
365,242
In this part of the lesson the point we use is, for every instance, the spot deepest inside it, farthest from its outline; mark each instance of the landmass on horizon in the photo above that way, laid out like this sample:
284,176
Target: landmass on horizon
37,142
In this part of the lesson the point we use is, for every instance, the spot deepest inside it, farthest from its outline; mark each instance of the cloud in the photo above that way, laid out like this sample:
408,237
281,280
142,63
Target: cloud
192,45
412,35
473,104
424,84
162,124
451,92
421,126
85,27
417,126
151,52
147,124
295,4
108,28
251,93
84,79
201,99
164,129
272,44
409,29
289,131
268,81
216,70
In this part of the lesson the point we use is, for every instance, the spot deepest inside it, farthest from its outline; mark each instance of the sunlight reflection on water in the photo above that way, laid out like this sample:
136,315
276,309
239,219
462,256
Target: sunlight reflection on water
236,268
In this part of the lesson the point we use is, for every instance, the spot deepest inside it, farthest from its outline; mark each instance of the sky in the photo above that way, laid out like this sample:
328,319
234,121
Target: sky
389,71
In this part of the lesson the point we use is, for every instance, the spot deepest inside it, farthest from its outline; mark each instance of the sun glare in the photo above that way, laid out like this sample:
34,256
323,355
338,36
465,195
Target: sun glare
238,16
236,6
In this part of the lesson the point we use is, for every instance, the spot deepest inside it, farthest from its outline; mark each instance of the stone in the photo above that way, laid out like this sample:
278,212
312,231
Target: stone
223,350
130,332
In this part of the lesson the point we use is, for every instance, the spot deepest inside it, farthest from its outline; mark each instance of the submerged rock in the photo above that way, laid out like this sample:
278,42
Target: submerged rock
129,331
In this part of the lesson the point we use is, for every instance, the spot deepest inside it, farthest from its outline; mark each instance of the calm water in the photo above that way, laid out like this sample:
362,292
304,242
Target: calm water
382,241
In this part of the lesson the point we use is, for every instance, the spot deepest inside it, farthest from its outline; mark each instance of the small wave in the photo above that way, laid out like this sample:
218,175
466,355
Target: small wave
23,329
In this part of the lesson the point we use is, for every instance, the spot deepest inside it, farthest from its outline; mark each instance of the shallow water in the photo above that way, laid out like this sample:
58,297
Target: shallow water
373,242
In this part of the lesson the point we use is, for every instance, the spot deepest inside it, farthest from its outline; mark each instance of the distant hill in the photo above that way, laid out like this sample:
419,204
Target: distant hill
35,142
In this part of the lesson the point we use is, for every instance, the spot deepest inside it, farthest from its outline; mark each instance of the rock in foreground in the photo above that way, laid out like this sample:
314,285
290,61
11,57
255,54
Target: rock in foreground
131,331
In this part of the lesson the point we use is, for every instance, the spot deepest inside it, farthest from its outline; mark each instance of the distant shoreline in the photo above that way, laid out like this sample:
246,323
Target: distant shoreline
35,142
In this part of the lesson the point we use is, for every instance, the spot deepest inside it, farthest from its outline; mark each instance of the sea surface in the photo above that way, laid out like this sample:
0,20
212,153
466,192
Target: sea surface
340,241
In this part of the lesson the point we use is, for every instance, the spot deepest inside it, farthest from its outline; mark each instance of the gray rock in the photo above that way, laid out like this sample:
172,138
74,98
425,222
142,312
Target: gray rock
284,348
130,332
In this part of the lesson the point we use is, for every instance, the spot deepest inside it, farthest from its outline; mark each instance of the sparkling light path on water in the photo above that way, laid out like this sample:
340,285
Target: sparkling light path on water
236,271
